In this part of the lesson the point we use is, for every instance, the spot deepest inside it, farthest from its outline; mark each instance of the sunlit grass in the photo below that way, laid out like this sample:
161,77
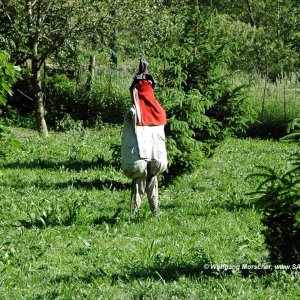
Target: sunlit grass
276,103
205,218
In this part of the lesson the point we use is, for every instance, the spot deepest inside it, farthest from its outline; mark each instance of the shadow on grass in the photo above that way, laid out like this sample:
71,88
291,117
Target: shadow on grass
75,165
167,269
169,273
173,271
168,206
234,206
99,184
88,277
110,220
218,208
268,129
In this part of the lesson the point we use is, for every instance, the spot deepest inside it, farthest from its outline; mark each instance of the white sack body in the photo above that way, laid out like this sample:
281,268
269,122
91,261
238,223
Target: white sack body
141,144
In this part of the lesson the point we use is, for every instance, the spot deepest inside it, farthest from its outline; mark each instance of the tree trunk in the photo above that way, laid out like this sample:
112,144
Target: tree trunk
36,65
250,13
278,19
38,98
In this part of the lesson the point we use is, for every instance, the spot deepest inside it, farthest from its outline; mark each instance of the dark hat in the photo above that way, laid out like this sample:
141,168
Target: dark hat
143,74
143,67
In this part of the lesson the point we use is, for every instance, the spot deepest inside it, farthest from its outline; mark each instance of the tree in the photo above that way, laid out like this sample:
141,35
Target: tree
272,40
277,196
135,26
250,12
202,103
37,29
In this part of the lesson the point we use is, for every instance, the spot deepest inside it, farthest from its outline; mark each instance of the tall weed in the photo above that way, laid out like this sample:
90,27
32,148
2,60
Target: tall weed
276,103
52,213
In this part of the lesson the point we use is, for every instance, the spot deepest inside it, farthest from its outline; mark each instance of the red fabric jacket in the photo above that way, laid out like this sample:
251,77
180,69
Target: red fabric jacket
152,112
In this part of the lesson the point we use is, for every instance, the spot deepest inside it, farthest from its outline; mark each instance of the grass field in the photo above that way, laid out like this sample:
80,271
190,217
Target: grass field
276,103
65,231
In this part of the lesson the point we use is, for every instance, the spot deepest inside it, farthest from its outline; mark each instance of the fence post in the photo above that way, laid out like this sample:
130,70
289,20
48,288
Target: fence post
89,86
284,103
91,73
264,99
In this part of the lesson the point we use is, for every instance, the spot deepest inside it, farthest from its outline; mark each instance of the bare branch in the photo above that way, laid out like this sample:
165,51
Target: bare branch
22,93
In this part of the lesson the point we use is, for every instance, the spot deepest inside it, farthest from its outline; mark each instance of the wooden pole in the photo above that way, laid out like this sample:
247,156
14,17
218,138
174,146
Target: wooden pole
92,65
284,104
263,100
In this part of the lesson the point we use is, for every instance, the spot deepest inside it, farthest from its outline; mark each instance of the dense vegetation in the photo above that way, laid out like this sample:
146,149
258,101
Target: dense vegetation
226,70
200,42
279,200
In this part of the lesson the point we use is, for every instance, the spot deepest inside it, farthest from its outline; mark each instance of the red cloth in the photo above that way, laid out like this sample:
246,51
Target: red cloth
152,112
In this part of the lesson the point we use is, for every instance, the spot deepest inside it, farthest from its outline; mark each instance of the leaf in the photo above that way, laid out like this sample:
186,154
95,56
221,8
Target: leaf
15,144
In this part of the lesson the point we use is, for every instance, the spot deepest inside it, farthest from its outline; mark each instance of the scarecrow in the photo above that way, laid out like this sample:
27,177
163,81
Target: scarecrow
143,149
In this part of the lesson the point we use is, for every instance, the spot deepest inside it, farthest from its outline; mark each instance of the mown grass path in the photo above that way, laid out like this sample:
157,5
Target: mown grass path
65,231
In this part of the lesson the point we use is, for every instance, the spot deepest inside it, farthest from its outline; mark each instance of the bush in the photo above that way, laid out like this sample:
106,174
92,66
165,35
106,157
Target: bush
61,99
106,101
110,100
8,75
22,99
279,200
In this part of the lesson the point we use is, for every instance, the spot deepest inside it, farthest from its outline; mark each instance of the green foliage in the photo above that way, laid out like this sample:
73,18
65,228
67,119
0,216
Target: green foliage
276,104
61,95
52,214
294,131
279,197
48,27
110,99
68,101
202,103
56,25
67,124
8,75
8,142
265,31
279,202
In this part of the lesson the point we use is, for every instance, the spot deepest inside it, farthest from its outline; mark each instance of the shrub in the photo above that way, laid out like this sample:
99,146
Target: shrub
106,101
8,75
61,95
22,99
279,200
110,99
8,141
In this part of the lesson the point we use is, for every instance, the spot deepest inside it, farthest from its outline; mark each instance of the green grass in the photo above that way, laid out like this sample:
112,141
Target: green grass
65,231
277,103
